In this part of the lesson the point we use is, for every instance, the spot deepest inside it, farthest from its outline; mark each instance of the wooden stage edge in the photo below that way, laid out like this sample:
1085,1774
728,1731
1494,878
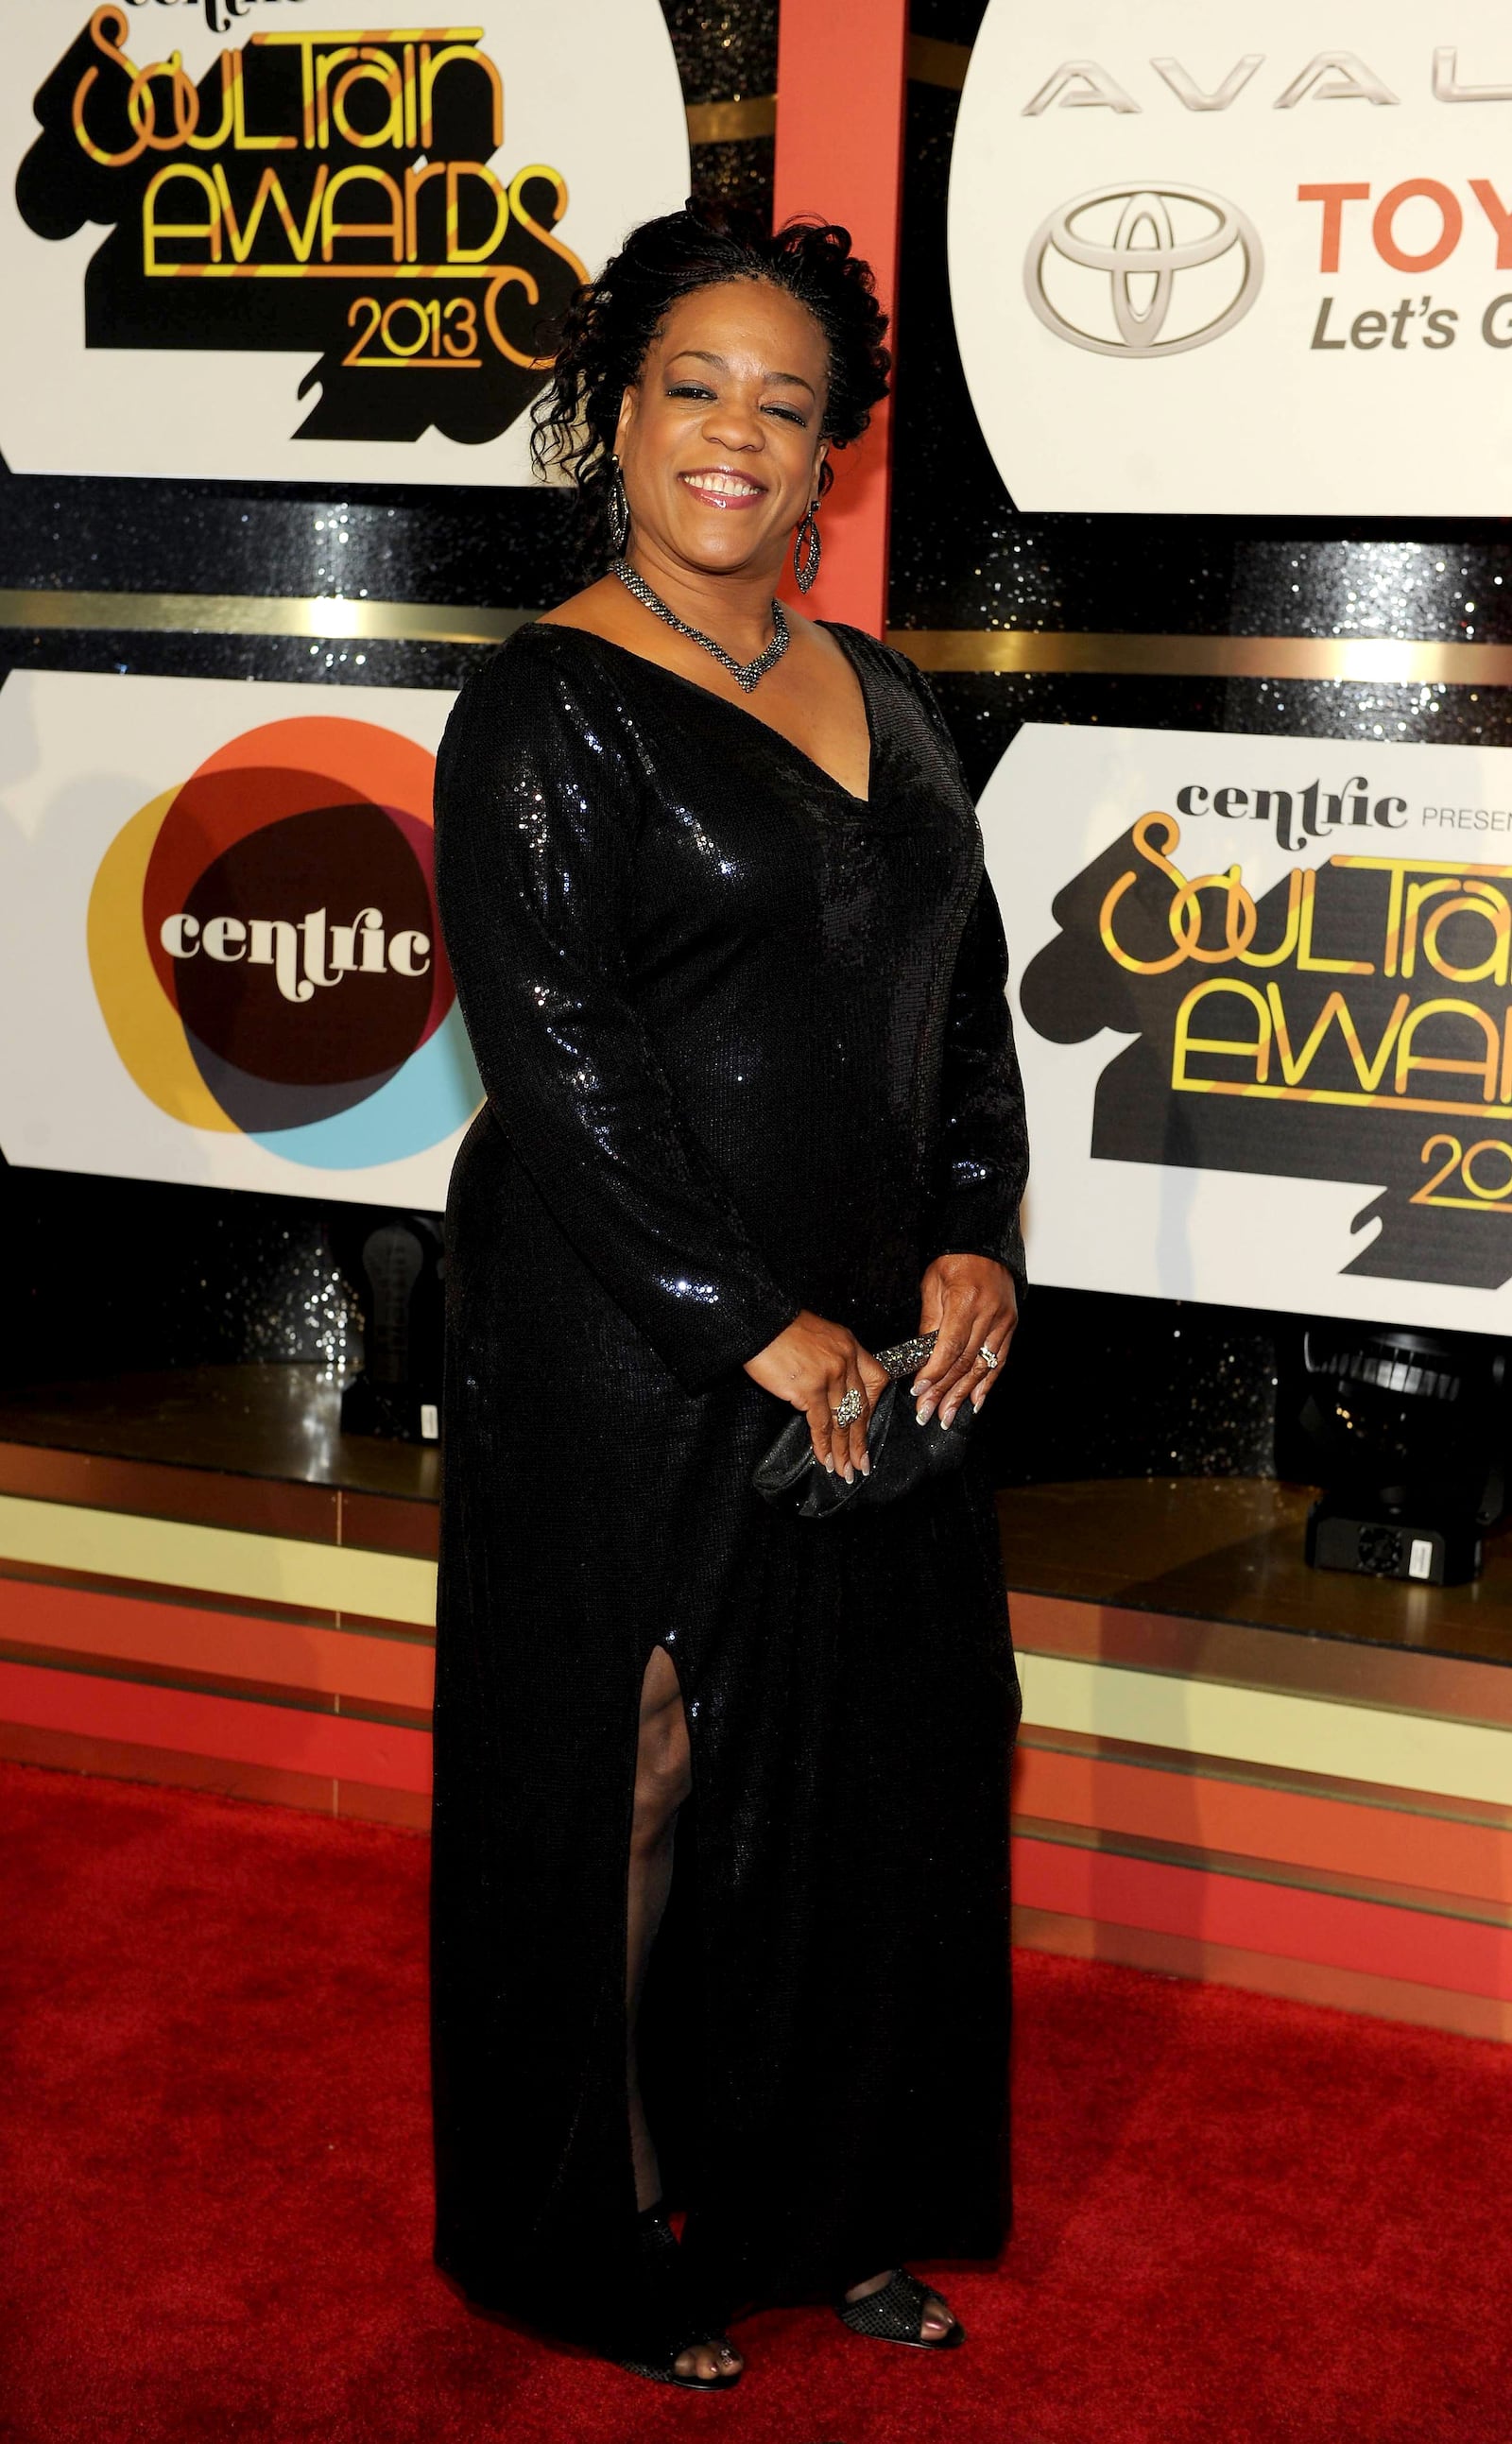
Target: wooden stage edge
1231,1767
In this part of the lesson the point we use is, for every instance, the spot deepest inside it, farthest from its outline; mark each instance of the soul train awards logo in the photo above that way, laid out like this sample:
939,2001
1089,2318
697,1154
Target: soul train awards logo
265,947
314,191
1351,1022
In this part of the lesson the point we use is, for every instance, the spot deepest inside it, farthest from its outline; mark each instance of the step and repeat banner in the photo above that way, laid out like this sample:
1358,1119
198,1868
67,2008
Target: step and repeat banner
311,239
1247,260
1250,260
218,938
1263,1008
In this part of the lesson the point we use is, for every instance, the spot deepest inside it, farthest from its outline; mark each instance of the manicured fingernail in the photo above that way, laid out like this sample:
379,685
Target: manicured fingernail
924,1412
830,1464
866,1468
850,1473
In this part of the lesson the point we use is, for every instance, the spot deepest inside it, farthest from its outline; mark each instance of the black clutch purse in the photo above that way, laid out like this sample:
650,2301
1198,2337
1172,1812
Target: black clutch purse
902,1453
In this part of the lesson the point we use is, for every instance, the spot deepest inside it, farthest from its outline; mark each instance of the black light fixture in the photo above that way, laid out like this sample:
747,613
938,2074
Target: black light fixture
395,1264
1406,1433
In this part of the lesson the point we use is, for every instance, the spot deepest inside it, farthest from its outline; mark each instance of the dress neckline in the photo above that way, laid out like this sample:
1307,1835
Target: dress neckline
561,628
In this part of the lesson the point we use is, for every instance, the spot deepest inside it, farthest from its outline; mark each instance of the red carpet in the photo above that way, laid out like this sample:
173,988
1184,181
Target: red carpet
1238,2220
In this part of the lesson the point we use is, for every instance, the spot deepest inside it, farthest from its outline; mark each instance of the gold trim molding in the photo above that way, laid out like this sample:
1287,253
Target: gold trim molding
932,63
1384,661
755,114
261,615
733,122
1387,661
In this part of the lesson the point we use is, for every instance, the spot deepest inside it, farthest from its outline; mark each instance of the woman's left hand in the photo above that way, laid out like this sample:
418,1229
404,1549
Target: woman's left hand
971,1302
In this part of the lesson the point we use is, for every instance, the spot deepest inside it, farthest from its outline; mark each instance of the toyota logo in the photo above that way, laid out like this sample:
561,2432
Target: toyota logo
1143,271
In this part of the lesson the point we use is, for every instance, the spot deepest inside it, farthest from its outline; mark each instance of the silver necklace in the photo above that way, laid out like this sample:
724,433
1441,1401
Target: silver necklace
744,674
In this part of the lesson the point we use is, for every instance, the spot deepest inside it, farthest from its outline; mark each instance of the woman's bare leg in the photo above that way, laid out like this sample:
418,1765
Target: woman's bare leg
663,1780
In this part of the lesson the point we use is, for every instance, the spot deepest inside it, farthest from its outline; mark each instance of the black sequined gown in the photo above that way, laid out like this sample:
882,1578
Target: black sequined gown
746,1049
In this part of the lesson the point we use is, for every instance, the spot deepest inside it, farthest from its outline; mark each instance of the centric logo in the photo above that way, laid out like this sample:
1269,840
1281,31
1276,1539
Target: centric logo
265,952
1143,271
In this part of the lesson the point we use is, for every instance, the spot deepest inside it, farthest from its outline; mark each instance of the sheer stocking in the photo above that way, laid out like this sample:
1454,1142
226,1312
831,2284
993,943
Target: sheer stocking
663,1780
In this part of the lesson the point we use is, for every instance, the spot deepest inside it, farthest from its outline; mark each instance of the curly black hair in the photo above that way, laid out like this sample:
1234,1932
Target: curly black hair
602,338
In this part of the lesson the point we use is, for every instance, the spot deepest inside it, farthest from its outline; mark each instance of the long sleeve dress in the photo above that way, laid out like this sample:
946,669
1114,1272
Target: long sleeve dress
746,1050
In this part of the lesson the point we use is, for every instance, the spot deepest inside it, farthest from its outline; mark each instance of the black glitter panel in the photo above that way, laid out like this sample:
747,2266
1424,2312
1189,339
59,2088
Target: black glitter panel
724,54
1455,589
739,174
434,544
984,709
946,21
119,1275
1448,716
1200,577
1107,1386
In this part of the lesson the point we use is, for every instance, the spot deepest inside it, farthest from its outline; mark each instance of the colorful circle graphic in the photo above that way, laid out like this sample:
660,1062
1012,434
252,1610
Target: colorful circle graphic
265,948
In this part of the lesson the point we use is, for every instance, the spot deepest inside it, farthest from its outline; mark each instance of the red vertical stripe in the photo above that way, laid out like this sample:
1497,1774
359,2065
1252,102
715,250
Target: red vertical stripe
841,81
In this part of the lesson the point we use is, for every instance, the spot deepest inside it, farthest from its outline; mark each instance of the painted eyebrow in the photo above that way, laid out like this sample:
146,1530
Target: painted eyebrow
705,357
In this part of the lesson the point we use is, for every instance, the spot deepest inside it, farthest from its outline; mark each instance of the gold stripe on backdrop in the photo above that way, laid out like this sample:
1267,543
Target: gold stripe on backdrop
1387,661
261,615
755,114
1390,661
729,122
932,63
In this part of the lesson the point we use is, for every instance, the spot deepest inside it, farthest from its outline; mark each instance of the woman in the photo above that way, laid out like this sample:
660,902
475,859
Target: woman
713,890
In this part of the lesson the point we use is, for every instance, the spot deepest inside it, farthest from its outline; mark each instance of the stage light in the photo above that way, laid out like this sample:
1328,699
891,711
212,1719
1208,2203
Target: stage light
1408,1430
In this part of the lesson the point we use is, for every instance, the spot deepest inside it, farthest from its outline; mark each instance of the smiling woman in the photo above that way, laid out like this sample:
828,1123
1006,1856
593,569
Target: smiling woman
720,450
713,890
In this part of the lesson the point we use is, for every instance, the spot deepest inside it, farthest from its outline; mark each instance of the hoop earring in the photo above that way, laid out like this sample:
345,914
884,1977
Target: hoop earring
806,549
617,513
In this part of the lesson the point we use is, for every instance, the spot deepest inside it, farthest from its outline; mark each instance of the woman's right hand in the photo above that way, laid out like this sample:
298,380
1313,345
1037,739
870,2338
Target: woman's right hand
813,1364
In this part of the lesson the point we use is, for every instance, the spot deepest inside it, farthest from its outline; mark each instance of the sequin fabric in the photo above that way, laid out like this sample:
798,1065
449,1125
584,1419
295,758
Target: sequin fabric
746,1049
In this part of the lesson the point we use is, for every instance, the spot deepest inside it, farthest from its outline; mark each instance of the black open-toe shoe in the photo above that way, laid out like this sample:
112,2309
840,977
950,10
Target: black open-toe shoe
663,2313
895,2313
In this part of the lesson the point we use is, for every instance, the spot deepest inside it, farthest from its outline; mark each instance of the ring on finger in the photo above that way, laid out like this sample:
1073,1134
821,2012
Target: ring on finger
988,1357
849,1410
